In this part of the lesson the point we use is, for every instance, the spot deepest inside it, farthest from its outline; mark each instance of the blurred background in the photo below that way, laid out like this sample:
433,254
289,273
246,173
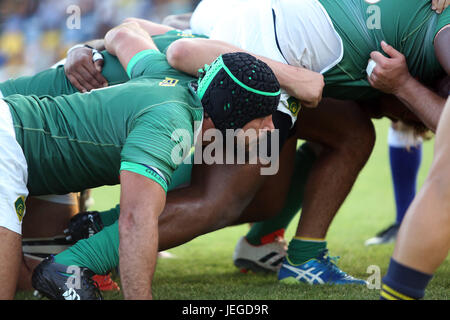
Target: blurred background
35,34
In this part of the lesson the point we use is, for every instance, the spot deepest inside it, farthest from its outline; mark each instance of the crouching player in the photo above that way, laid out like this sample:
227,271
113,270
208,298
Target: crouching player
58,145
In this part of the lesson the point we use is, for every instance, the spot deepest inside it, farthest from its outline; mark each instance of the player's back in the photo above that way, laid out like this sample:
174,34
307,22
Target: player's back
75,141
407,25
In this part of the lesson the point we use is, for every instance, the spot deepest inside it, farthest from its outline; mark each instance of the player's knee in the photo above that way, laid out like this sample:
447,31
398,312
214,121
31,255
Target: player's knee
439,182
223,213
358,141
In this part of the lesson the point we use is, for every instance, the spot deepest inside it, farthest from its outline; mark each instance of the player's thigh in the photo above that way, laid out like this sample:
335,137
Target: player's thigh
337,124
270,198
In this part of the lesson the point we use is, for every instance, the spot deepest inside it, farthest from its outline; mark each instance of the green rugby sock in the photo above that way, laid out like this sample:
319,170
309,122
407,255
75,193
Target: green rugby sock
110,217
304,160
301,250
99,253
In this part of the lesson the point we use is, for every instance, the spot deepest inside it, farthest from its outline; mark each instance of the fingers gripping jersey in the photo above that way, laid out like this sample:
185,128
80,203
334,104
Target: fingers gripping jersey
79,141
408,25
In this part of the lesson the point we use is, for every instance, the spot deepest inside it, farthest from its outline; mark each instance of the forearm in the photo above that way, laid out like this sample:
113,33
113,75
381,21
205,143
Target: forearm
426,104
190,55
141,201
98,44
138,253
151,28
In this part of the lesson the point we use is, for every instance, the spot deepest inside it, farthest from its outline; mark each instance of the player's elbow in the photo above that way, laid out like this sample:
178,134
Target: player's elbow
130,20
133,219
179,52
117,36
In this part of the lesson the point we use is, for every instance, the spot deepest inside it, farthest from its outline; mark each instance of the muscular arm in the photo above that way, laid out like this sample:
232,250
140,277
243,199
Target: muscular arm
391,75
189,55
152,28
426,104
142,201
86,75
127,40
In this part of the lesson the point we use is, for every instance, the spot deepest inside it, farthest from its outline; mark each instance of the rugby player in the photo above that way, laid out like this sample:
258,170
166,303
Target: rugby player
347,79
320,226
75,142
113,74
424,238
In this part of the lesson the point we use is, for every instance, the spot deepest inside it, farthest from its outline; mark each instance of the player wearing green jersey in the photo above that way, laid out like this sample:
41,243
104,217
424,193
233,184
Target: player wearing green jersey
123,134
54,82
191,59
416,38
49,215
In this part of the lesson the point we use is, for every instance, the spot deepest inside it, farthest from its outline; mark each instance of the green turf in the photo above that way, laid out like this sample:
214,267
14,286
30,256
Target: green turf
203,269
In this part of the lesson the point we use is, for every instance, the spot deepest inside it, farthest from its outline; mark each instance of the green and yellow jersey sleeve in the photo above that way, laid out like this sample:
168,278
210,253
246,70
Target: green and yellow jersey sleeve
151,63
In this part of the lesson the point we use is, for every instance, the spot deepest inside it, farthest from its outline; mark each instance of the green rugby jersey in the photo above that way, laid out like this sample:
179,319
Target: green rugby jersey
409,26
80,141
53,82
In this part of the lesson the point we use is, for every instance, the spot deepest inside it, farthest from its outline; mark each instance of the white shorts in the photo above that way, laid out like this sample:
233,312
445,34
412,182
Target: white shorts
13,174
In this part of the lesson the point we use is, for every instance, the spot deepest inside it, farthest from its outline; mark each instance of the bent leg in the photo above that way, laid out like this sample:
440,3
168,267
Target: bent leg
270,198
348,136
426,228
424,239
216,198
266,231
190,212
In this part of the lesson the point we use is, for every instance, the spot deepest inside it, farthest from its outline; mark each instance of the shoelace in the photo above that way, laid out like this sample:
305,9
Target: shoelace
331,261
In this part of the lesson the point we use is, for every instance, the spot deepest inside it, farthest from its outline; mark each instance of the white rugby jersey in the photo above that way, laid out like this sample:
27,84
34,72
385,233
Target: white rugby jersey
299,33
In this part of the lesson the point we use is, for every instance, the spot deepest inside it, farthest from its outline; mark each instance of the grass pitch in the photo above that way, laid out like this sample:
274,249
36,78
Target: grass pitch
203,269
